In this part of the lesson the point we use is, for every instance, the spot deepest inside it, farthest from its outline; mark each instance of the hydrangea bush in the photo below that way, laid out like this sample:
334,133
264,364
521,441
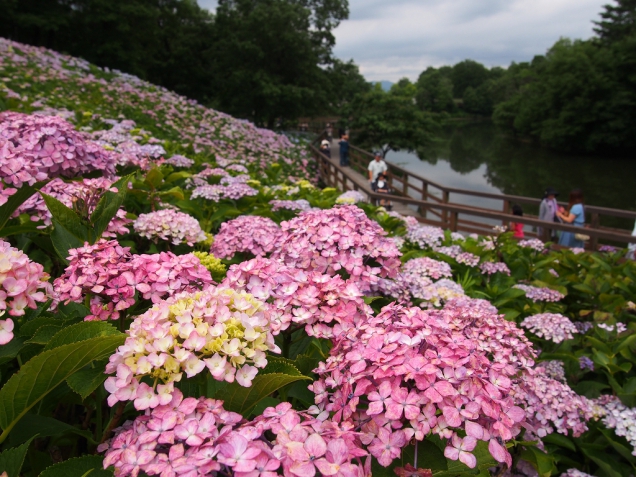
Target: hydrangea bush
212,312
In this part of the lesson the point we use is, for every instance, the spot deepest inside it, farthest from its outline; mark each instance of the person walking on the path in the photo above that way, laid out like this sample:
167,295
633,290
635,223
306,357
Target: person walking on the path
344,150
574,214
376,167
547,212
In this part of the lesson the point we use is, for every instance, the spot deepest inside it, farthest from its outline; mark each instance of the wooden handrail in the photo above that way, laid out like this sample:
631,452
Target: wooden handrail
449,212
607,211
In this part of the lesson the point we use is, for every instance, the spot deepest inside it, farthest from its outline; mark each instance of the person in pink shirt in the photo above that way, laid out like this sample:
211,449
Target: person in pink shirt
517,228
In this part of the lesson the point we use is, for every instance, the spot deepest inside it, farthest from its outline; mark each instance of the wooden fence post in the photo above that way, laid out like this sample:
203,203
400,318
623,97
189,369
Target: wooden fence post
445,197
594,224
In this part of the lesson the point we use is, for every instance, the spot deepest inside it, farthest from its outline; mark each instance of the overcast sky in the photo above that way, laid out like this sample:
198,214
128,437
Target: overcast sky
390,39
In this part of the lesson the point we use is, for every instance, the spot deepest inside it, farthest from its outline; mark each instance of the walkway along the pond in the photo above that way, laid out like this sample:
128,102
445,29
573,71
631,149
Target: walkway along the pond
431,203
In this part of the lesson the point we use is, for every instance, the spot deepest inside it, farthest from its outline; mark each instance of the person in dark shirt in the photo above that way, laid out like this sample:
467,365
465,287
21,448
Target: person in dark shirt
344,150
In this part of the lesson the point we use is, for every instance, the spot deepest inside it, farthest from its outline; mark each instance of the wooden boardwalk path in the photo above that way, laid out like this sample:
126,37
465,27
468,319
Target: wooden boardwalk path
356,177
431,203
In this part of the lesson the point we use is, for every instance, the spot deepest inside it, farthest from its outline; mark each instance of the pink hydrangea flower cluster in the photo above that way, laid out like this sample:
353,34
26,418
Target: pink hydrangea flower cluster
575,473
615,415
551,405
240,179
247,233
425,236
179,161
196,437
450,250
467,258
171,225
427,267
551,326
300,204
126,144
111,276
416,280
307,298
234,191
237,168
437,293
70,192
34,148
490,268
225,331
540,293
534,244
406,373
351,197
23,283
342,238
5,193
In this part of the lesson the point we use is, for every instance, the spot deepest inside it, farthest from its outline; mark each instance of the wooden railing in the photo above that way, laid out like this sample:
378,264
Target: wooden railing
433,202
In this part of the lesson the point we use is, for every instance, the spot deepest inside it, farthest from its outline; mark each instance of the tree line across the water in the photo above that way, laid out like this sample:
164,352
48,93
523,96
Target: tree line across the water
271,61
578,97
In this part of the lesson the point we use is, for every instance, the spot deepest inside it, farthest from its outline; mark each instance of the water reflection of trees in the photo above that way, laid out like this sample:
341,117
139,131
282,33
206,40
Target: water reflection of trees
524,169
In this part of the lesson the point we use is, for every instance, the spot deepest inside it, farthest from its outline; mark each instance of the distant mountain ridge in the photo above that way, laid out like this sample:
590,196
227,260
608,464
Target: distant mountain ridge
386,85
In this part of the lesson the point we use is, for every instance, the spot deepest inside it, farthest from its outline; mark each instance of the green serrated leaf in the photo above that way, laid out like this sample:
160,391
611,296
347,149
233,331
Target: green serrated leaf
63,240
86,380
175,192
559,440
242,400
11,460
108,205
175,176
32,425
542,462
45,333
45,372
89,465
80,332
20,229
154,177
16,200
66,217
11,349
277,364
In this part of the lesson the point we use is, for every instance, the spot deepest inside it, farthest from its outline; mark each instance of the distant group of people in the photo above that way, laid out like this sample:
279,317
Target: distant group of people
551,211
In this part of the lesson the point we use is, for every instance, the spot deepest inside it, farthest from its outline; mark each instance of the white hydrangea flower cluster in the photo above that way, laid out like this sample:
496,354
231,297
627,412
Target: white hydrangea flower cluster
219,328
551,326
615,415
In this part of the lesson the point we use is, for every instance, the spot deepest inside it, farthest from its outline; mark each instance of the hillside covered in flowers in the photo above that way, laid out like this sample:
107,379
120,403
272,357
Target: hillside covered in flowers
179,296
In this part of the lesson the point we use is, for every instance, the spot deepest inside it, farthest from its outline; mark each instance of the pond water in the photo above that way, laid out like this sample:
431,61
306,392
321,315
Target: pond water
478,156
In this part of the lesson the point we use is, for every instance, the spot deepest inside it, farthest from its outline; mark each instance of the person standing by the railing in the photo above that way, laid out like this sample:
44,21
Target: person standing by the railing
344,150
575,215
547,212
376,167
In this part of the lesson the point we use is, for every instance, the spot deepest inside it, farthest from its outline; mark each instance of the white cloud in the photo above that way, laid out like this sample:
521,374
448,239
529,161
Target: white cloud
390,39
396,38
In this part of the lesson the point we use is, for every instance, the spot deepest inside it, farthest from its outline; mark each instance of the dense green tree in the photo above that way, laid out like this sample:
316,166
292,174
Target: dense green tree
467,73
345,82
405,88
388,121
434,90
163,41
269,53
618,22
258,59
